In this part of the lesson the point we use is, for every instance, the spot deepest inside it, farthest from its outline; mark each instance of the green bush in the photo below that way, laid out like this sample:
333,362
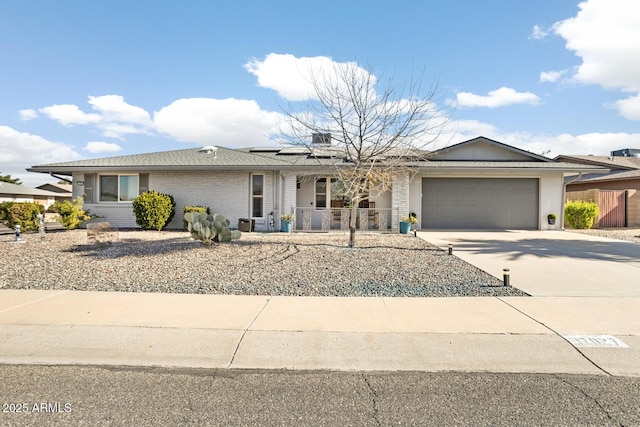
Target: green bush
23,214
173,207
210,228
153,210
71,214
580,214
194,209
5,212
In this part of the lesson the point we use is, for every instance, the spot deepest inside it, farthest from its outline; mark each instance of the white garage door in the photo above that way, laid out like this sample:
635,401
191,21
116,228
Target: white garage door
480,203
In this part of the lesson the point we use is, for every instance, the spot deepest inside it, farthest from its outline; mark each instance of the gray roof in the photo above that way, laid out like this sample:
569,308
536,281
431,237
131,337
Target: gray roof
9,189
529,154
190,158
60,189
561,166
612,176
611,162
282,158
620,167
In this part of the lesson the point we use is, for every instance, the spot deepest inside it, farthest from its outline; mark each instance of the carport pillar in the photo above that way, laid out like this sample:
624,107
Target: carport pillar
400,197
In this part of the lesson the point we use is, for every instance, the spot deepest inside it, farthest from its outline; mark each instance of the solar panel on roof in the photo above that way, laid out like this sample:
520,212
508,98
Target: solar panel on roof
294,150
265,149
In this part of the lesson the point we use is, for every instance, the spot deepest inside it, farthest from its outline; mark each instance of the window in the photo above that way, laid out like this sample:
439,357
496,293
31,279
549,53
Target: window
321,193
338,191
335,192
118,188
257,196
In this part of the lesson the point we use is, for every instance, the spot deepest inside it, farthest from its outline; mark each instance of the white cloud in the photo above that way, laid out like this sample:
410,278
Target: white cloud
225,122
552,76
293,78
598,144
538,32
114,117
605,35
113,108
28,114
101,147
629,108
69,114
20,150
496,98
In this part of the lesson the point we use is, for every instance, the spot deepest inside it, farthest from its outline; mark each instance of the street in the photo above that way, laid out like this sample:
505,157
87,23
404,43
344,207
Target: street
90,395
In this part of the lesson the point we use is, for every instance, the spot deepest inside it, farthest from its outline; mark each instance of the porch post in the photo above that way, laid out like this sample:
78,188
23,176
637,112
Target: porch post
288,197
400,197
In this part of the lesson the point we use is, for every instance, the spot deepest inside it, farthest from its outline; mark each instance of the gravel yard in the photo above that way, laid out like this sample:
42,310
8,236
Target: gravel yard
257,264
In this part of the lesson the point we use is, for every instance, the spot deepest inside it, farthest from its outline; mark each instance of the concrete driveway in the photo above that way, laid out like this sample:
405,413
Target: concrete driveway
550,263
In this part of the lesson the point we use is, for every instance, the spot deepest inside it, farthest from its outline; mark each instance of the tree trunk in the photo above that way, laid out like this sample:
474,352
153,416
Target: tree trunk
352,225
352,237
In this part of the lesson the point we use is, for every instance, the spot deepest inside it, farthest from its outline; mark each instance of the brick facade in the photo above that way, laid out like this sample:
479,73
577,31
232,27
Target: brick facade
224,192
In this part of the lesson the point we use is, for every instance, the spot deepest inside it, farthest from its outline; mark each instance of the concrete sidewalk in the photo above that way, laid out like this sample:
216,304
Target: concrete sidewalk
254,332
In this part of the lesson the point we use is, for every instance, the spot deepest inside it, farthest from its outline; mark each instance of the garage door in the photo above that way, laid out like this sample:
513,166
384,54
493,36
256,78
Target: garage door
480,203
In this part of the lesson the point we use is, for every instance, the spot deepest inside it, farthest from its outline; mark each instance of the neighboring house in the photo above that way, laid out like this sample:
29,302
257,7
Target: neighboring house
19,193
63,191
617,193
477,184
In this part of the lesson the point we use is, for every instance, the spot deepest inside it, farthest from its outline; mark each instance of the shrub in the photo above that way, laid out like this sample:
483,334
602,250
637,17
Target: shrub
71,214
153,210
210,228
580,214
173,207
23,214
5,213
194,209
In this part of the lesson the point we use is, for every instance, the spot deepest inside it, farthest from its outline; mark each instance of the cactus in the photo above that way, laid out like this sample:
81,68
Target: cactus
210,228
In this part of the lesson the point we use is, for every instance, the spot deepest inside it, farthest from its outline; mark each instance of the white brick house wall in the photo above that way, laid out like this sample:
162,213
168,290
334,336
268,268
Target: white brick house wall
224,192
400,196
289,190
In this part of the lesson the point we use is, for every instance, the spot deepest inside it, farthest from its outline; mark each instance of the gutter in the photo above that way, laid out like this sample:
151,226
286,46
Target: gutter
564,198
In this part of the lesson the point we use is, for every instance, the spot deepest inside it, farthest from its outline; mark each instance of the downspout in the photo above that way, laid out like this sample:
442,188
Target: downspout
60,178
564,197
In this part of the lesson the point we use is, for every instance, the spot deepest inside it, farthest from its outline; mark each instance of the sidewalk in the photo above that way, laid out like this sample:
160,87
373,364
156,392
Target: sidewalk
484,334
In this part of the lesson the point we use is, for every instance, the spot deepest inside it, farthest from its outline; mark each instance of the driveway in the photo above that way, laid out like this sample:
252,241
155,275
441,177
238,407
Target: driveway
549,263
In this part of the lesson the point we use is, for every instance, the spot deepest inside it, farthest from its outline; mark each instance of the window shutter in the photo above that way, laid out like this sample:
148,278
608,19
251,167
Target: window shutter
143,183
89,184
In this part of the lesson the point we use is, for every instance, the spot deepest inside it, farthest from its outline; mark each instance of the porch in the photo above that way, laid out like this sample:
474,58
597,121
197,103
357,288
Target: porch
369,218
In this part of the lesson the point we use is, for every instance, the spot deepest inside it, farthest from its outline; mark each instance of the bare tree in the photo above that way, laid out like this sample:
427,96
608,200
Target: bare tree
377,132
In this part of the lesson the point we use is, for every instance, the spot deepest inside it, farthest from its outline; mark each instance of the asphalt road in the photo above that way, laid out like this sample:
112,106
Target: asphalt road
94,396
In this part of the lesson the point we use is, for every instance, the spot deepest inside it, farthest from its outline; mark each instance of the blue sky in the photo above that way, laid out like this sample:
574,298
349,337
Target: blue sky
92,79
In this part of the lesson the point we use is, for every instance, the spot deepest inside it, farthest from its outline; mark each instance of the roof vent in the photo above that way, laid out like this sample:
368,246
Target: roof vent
209,149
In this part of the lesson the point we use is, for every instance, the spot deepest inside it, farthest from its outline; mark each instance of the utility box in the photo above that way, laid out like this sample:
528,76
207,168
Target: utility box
246,224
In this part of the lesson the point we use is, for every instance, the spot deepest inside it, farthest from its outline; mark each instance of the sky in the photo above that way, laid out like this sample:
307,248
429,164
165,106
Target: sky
82,79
